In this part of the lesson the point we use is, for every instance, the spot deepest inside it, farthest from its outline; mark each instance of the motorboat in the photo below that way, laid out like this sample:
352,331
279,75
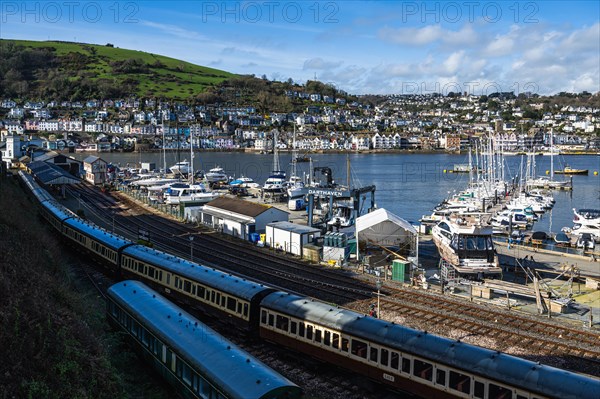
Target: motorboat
181,168
244,182
182,192
216,174
275,183
587,215
466,244
585,241
571,171
587,221
562,239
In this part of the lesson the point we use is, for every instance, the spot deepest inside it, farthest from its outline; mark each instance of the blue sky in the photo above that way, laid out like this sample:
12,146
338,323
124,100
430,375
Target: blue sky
362,47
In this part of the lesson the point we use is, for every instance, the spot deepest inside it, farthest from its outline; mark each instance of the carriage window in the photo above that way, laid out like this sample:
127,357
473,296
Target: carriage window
317,335
440,377
187,374
301,329
359,348
168,279
271,320
212,296
309,332
293,327
384,357
263,317
460,382
218,298
345,343
395,361
223,298
498,392
336,340
231,302
187,286
405,365
479,390
200,291
327,340
246,309
373,356
423,370
151,272
282,323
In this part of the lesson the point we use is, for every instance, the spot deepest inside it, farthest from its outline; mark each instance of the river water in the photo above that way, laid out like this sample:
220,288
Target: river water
408,185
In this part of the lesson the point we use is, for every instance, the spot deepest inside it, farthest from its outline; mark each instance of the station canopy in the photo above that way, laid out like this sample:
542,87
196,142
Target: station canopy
49,173
384,228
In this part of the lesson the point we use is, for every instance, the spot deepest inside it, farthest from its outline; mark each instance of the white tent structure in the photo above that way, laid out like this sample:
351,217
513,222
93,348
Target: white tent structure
385,229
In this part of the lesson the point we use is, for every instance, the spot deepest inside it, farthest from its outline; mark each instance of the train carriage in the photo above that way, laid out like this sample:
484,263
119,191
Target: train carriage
411,360
197,361
207,289
102,244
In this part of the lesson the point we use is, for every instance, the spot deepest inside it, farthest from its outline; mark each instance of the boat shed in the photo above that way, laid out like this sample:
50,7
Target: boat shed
290,237
52,175
239,218
384,229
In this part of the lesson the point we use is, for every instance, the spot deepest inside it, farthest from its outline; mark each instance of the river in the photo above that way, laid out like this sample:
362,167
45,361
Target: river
408,185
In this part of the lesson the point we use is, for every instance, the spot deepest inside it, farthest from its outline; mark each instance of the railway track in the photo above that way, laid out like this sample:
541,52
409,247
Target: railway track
240,259
436,313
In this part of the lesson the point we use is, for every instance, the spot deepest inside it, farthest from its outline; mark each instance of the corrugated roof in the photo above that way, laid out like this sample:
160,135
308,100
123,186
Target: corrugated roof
241,207
49,173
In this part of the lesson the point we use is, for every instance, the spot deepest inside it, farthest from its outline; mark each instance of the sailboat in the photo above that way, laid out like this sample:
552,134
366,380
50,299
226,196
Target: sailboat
544,181
296,189
275,183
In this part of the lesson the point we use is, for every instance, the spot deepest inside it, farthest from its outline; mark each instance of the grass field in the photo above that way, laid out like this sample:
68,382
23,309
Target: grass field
166,77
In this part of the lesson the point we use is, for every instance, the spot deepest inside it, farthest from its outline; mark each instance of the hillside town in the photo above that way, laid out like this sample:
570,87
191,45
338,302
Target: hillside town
428,122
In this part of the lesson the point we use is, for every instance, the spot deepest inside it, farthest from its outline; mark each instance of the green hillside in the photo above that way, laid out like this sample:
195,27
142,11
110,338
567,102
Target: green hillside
78,71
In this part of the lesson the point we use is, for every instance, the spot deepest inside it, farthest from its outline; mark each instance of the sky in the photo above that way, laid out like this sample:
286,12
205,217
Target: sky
362,47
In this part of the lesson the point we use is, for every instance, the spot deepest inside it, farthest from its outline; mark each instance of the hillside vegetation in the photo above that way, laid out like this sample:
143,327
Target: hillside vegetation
78,71
54,338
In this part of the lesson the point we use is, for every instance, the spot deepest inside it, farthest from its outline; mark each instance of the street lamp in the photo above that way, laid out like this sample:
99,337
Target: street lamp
191,248
378,285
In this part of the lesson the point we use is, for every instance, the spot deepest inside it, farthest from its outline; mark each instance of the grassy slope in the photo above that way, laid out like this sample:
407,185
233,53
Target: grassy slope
54,338
190,79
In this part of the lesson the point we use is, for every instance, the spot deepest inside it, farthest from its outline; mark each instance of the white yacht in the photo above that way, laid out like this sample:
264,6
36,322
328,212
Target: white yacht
275,183
587,221
181,168
182,192
467,246
216,174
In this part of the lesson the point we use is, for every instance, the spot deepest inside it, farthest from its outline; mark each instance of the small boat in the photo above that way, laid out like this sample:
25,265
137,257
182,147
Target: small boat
181,168
244,182
538,237
571,171
216,174
562,239
585,241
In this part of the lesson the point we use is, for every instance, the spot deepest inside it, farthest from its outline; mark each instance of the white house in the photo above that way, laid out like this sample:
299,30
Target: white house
95,170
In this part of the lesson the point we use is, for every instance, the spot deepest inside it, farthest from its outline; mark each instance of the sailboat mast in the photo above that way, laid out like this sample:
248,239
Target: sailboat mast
191,171
348,171
551,154
164,151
